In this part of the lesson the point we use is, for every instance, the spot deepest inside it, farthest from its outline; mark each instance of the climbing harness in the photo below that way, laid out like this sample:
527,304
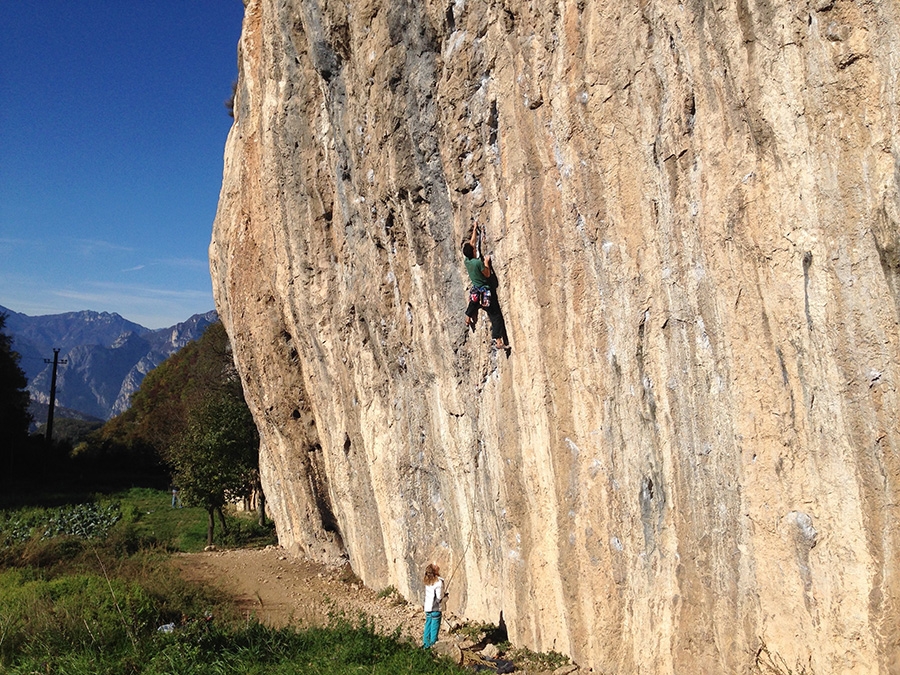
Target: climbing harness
481,295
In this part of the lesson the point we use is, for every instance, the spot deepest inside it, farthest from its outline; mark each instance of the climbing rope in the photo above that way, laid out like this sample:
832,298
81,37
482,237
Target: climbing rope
453,573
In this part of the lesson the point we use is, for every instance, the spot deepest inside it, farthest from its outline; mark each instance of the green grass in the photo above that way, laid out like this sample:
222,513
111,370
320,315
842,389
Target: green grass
89,599
87,603
153,516
140,513
90,623
202,648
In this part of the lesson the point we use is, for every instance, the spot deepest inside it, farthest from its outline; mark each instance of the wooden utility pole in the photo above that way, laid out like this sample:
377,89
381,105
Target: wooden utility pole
56,362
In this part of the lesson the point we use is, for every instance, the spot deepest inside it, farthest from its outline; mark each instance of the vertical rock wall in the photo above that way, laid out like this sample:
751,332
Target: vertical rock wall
690,458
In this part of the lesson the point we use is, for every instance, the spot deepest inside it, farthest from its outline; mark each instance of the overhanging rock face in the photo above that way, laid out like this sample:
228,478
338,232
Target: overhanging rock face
689,462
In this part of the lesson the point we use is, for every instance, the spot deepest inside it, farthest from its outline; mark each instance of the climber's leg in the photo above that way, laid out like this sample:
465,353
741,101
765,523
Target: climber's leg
472,315
498,325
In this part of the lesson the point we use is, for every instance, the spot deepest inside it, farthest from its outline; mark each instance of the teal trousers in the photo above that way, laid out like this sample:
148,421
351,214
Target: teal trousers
432,626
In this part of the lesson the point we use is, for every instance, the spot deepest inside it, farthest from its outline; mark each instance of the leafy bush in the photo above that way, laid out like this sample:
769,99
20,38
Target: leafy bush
478,632
386,592
82,520
87,520
393,595
14,529
538,660
244,531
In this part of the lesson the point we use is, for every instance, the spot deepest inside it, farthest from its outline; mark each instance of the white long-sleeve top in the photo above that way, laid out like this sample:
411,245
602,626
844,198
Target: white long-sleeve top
433,595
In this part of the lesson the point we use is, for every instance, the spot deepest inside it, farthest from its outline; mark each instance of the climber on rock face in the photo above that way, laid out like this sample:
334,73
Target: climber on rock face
483,293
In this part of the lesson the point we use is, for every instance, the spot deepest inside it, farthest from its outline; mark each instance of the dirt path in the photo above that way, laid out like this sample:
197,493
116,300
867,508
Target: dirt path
279,590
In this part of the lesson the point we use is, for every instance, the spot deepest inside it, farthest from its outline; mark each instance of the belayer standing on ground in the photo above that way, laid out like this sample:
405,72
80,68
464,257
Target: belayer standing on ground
483,293
434,594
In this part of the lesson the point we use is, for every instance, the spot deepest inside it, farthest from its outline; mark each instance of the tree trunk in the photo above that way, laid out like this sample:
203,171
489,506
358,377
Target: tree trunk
210,526
222,520
260,504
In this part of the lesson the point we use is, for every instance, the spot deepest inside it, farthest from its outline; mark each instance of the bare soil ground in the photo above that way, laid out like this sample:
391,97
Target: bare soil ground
279,590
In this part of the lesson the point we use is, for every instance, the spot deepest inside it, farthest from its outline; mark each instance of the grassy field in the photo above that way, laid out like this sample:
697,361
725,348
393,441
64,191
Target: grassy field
88,588
182,529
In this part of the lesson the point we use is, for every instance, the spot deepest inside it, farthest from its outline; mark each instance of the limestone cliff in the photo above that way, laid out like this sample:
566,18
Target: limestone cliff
692,451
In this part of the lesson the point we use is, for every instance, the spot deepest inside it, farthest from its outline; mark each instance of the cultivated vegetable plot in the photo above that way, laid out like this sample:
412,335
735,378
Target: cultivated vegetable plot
87,521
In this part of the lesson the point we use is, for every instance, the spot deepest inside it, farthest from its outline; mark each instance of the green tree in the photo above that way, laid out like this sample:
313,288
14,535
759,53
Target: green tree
190,410
14,416
160,408
216,458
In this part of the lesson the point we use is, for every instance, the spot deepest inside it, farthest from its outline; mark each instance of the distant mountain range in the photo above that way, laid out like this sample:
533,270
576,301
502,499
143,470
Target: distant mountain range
106,357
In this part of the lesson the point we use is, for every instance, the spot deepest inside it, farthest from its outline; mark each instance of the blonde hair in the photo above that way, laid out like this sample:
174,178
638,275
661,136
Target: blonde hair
431,574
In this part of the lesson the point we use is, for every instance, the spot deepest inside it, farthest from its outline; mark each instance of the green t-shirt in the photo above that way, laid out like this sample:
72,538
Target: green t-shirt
475,268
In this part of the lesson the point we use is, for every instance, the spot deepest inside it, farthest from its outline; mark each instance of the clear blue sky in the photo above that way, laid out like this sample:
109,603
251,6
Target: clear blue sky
112,131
